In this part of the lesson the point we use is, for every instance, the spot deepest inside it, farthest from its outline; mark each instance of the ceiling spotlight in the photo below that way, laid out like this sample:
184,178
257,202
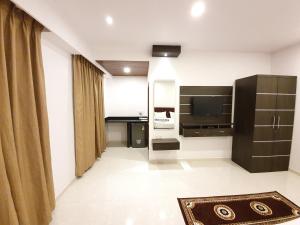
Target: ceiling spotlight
198,9
109,20
165,54
126,69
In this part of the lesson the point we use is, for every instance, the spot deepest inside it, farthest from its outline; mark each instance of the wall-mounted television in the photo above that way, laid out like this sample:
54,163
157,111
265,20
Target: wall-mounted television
207,106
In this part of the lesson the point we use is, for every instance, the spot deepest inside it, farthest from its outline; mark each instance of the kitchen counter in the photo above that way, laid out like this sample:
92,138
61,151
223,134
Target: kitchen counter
130,122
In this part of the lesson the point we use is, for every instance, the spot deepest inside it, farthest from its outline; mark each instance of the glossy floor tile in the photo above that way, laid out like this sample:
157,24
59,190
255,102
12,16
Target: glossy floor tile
123,188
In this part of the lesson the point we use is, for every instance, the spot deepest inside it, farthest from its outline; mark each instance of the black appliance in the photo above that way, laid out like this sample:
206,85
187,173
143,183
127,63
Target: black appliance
207,106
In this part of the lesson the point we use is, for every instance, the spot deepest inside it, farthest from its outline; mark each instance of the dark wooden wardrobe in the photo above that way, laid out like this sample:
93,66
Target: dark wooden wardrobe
263,121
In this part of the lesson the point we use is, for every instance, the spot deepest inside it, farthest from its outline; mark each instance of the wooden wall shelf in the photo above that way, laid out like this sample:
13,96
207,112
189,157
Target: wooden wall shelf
162,144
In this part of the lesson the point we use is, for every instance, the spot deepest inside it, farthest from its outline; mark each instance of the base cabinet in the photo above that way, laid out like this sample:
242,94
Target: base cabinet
138,135
264,119
269,164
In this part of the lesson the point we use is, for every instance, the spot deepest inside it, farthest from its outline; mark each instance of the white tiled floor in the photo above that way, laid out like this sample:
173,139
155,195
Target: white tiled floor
123,188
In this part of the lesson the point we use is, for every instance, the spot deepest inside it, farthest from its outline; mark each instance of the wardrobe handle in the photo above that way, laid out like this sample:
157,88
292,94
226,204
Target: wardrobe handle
278,123
274,121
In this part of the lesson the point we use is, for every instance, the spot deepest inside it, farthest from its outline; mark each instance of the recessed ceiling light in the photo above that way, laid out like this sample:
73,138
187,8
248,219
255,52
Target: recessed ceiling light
198,9
166,54
126,69
109,20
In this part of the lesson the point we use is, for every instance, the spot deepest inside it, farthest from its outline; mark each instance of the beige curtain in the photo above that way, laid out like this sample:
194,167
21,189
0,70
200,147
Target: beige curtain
26,185
90,138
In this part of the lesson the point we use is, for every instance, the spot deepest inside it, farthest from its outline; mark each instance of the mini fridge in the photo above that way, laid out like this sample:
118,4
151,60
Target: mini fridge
138,135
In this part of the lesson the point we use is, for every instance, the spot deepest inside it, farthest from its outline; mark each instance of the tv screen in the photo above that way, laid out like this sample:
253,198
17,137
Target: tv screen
207,106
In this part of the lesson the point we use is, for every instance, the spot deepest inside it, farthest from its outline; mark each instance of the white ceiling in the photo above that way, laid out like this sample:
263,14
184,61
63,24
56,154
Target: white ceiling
226,25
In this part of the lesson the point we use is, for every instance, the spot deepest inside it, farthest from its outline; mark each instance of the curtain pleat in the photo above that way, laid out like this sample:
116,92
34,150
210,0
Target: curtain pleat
27,193
90,140
100,124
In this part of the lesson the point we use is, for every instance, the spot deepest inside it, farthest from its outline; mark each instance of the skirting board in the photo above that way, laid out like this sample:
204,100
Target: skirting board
65,189
116,144
189,155
178,161
296,172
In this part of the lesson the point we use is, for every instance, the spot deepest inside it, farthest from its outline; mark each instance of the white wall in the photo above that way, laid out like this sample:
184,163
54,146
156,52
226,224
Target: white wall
45,13
164,94
126,96
287,62
58,79
195,69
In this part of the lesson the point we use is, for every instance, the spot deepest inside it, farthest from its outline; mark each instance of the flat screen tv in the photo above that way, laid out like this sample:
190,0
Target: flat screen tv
207,106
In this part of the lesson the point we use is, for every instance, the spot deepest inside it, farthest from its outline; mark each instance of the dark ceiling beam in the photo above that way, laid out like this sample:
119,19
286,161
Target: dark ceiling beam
116,67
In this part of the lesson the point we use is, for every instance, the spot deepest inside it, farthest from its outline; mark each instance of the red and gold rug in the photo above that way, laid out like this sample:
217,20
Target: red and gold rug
262,208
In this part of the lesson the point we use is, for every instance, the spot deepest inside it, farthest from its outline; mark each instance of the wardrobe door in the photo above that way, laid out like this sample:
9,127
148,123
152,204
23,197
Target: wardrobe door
286,93
282,148
265,118
286,85
286,117
266,84
266,93
263,134
281,163
265,109
285,102
261,164
283,132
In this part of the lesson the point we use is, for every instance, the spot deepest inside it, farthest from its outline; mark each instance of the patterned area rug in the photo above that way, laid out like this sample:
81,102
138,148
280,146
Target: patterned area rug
263,208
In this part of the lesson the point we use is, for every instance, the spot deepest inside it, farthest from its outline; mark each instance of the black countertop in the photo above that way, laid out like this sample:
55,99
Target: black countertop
126,119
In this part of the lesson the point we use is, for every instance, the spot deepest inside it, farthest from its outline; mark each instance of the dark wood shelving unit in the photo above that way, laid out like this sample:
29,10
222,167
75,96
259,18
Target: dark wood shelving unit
205,126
